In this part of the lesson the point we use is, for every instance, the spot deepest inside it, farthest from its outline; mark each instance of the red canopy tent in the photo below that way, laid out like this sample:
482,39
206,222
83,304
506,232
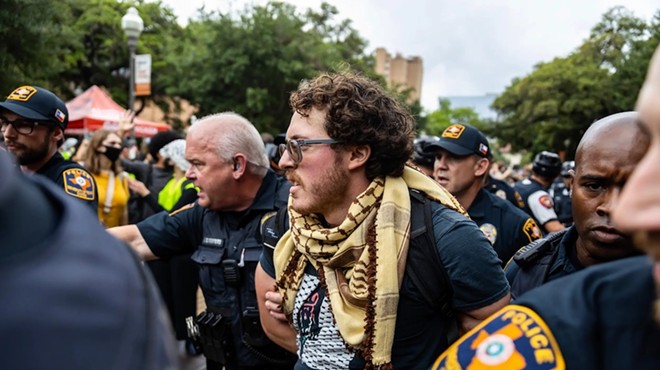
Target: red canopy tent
94,109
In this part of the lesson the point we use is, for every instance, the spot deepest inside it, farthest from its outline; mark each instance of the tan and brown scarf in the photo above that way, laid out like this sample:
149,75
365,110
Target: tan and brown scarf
360,262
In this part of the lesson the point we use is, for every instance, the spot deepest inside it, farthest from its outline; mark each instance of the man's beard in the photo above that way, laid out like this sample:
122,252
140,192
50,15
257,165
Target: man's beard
30,156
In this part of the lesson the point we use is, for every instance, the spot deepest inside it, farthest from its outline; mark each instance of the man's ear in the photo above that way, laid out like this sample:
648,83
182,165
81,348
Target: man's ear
359,156
239,166
481,166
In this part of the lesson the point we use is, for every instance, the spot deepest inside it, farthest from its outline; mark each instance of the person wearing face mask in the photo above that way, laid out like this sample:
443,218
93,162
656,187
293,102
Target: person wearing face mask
102,160
32,122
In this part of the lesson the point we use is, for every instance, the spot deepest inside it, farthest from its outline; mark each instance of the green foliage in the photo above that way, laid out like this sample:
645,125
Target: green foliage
438,120
250,62
552,107
35,42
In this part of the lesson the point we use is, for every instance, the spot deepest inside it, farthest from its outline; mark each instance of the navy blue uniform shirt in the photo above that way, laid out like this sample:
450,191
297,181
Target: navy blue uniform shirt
600,318
75,179
556,262
505,226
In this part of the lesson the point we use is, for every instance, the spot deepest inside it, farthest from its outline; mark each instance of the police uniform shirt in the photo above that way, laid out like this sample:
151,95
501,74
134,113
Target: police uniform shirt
75,179
537,201
550,265
78,299
505,226
183,231
600,318
475,274
505,191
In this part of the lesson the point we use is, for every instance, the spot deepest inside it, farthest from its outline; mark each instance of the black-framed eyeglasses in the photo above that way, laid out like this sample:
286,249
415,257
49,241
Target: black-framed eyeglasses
22,126
294,147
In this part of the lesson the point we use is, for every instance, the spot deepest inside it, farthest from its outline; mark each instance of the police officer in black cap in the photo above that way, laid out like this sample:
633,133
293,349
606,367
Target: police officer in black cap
534,191
560,190
33,121
73,297
461,164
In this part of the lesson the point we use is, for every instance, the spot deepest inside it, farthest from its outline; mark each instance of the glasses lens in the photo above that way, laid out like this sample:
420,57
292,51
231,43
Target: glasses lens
294,151
21,126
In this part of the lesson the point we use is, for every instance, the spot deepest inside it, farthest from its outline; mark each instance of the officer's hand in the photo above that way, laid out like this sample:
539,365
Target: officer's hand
274,305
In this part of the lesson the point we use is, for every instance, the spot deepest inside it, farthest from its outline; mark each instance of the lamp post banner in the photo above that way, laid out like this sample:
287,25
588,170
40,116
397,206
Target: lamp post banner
143,74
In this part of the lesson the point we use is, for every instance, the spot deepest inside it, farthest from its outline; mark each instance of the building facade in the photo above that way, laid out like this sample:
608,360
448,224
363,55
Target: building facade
401,73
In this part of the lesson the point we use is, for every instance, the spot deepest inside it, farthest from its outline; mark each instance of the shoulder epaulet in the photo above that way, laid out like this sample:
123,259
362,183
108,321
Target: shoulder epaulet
532,251
272,226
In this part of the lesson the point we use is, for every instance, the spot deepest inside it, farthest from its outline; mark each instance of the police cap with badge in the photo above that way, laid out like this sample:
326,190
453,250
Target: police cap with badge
37,104
461,140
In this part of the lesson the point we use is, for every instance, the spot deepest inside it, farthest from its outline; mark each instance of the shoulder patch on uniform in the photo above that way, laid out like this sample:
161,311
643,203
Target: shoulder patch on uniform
490,231
501,193
183,208
519,199
79,183
532,230
513,338
546,201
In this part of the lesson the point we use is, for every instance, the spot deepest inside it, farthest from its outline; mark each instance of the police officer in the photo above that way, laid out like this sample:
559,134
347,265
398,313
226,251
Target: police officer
236,188
72,296
534,191
461,164
33,121
421,158
599,175
560,190
605,317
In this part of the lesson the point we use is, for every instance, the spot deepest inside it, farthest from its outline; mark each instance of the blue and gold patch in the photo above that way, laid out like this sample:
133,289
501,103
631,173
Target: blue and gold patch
513,338
532,230
23,93
79,183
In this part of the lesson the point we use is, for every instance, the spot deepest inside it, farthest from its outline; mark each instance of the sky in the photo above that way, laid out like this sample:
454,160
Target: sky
468,47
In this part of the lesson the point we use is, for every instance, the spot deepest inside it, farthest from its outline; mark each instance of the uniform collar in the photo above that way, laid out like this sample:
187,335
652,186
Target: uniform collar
479,204
53,161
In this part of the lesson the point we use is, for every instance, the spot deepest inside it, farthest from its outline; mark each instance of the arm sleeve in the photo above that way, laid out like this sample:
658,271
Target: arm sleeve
540,203
266,261
173,234
471,263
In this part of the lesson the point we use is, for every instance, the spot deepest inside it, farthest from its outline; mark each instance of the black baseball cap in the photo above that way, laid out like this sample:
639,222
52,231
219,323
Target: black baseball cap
38,104
461,140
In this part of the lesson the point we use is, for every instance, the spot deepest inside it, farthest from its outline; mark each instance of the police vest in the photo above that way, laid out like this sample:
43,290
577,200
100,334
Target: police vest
535,261
226,275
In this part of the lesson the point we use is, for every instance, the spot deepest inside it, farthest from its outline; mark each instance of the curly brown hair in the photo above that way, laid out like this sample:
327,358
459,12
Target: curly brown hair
359,111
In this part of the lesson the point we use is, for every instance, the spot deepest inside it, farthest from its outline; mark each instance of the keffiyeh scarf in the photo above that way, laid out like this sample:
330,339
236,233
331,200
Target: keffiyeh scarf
360,262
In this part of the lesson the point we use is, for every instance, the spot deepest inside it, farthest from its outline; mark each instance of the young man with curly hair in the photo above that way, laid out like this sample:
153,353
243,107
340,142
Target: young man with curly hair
339,273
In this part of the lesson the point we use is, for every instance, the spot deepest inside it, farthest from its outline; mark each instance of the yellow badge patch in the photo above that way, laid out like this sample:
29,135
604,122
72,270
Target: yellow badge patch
23,93
79,183
454,131
532,230
513,338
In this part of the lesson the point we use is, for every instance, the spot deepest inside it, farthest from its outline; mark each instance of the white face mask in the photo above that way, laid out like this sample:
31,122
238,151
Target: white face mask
132,153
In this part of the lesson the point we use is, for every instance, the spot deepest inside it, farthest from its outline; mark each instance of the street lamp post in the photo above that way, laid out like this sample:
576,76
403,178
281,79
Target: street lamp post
132,25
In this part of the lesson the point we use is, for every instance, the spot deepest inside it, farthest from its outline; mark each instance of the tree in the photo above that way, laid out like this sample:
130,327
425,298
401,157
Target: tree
552,107
438,120
250,62
35,42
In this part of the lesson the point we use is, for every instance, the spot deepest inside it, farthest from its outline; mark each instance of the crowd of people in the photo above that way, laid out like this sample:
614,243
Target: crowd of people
348,242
